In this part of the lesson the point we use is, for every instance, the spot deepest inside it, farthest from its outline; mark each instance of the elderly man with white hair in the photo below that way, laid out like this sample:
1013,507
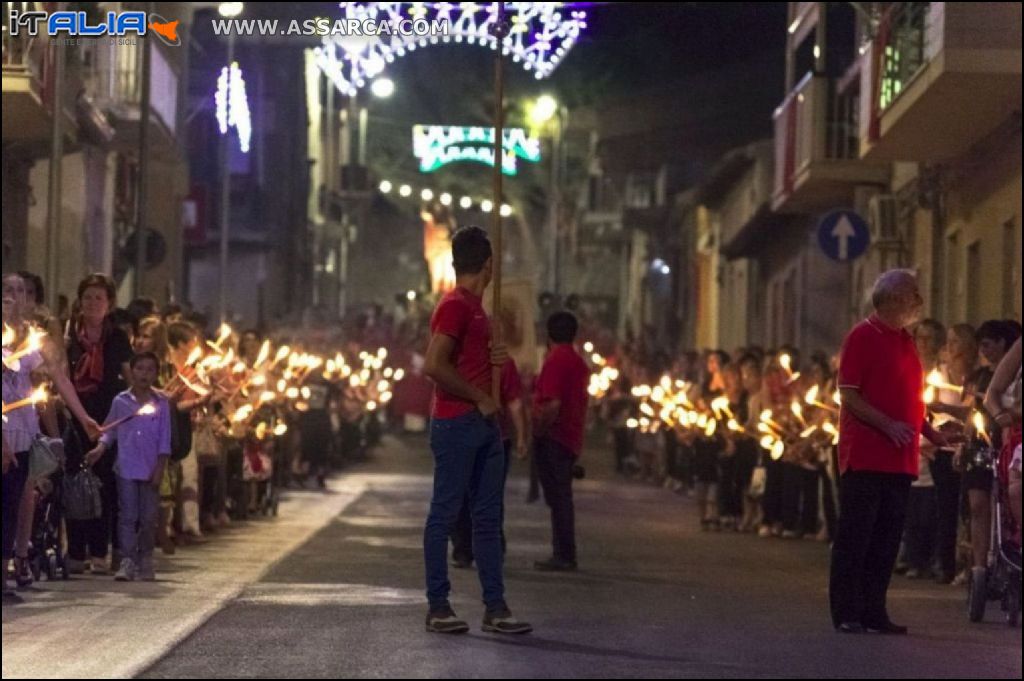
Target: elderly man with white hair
881,381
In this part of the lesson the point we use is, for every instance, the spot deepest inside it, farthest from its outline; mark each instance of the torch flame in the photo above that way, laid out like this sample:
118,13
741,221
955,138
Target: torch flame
786,362
194,356
264,354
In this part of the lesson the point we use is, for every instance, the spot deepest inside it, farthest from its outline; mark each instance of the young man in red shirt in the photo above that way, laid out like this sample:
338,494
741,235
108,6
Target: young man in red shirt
881,381
560,413
465,440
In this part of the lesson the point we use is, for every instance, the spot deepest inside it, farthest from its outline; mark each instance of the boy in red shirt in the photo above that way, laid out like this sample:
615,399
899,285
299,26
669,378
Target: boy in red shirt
560,412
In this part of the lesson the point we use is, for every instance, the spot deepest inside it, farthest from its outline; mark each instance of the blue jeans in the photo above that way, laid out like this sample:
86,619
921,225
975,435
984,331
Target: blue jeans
139,507
468,460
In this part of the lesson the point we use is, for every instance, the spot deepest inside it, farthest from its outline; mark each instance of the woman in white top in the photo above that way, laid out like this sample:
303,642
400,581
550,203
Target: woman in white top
21,426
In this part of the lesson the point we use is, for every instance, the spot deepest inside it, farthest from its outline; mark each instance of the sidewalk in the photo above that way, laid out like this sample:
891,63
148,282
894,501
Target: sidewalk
93,627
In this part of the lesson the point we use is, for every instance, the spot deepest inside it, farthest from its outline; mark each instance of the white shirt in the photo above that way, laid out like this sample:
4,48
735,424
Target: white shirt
21,426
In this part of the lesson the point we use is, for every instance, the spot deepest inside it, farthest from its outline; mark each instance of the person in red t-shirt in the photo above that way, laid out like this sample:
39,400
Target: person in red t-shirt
881,381
559,414
465,440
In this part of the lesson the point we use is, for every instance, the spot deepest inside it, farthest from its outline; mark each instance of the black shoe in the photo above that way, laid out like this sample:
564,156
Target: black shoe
886,628
444,621
555,565
11,598
945,578
462,563
850,628
501,621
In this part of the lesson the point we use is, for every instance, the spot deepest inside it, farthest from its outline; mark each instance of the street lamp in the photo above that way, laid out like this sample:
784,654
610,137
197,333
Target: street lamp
230,10
545,111
227,10
382,88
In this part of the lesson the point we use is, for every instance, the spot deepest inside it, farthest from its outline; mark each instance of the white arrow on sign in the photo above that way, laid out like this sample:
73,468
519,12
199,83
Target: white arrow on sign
844,231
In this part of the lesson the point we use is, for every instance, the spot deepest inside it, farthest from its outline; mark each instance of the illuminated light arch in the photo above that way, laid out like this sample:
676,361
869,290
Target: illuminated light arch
541,34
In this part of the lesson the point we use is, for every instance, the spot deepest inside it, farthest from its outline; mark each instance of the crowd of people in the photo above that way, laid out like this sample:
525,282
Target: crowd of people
753,436
136,429
161,432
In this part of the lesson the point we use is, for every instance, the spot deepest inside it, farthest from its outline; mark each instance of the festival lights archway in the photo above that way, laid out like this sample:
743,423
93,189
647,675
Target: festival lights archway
541,34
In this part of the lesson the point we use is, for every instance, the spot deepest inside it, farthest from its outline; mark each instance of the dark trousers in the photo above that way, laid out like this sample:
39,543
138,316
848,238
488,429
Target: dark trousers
800,499
93,538
922,522
730,497
671,455
623,447
872,515
462,533
13,490
828,500
213,483
771,502
554,464
947,499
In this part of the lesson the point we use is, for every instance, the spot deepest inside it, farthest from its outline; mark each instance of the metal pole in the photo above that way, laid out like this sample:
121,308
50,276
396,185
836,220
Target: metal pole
225,197
500,31
143,195
54,190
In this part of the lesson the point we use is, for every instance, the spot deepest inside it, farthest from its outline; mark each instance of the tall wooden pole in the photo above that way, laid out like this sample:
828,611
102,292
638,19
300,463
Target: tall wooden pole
499,31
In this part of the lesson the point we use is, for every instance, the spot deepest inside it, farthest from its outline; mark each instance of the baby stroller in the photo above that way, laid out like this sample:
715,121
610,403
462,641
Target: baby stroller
258,473
1002,580
46,553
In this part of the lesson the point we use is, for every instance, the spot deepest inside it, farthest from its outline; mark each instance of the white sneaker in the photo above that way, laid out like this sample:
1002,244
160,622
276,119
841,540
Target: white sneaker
127,571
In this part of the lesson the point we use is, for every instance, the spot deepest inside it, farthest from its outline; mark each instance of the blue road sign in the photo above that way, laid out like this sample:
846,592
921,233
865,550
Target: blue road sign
843,235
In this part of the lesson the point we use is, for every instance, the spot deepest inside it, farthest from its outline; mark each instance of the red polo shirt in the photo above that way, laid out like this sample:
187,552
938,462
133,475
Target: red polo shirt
460,315
565,377
882,364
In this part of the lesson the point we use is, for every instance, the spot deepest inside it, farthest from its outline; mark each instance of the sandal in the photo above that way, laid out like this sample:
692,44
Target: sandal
23,572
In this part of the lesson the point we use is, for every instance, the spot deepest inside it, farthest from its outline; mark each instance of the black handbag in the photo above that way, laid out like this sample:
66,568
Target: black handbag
82,497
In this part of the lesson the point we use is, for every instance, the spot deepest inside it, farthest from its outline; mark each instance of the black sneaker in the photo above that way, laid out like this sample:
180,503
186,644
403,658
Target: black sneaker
501,621
555,565
850,628
887,629
444,621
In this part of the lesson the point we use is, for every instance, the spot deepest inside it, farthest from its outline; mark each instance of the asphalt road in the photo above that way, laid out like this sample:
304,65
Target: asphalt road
654,598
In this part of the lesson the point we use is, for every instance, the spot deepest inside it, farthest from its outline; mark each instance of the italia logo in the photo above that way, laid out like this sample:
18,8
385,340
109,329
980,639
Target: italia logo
78,24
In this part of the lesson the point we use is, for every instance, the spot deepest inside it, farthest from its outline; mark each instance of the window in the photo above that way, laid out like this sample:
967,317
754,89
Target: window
1011,269
974,299
954,285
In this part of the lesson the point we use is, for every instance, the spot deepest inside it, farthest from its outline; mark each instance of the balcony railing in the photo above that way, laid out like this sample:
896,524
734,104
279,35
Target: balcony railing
902,37
114,78
813,125
23,54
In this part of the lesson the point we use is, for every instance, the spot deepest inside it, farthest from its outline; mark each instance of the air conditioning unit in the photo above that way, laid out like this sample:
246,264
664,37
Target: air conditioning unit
883,218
